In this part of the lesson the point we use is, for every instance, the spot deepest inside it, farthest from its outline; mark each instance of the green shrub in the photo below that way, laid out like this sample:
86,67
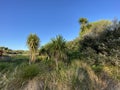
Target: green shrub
5,66
97,68
28,71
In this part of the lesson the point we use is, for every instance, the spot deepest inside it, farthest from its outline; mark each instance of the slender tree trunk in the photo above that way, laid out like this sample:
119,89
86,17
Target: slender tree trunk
56,62
33,57
30,59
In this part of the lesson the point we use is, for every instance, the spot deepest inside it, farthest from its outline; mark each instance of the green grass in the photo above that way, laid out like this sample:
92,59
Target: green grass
71,76
97,68
28,71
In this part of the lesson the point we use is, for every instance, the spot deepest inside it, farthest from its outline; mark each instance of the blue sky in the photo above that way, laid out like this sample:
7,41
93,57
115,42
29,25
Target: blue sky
48,18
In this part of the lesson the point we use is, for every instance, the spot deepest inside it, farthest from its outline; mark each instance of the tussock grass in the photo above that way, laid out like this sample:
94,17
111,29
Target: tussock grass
43,75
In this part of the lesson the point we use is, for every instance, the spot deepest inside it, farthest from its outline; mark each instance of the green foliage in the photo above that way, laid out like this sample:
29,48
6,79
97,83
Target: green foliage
58,49
7,51
106,46
93,27
7,67
28,71
55,50
33,42
100,26
3,48
83,20
33,45
3,66
73,51
98,69
85,26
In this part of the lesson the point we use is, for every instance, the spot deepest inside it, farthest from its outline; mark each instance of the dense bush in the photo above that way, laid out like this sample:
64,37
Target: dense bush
6,67
28,71
106,46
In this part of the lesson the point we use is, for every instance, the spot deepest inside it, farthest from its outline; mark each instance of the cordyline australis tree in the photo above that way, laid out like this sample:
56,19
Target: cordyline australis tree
85,26
58,48
33,45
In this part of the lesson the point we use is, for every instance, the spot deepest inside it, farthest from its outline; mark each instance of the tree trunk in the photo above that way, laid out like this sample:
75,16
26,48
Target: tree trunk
56,62
32,58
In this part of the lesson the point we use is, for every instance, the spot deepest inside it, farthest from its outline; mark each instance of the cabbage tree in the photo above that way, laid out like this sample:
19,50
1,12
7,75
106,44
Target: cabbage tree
33,45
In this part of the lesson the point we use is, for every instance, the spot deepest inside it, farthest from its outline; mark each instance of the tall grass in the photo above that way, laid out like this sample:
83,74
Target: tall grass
43,76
